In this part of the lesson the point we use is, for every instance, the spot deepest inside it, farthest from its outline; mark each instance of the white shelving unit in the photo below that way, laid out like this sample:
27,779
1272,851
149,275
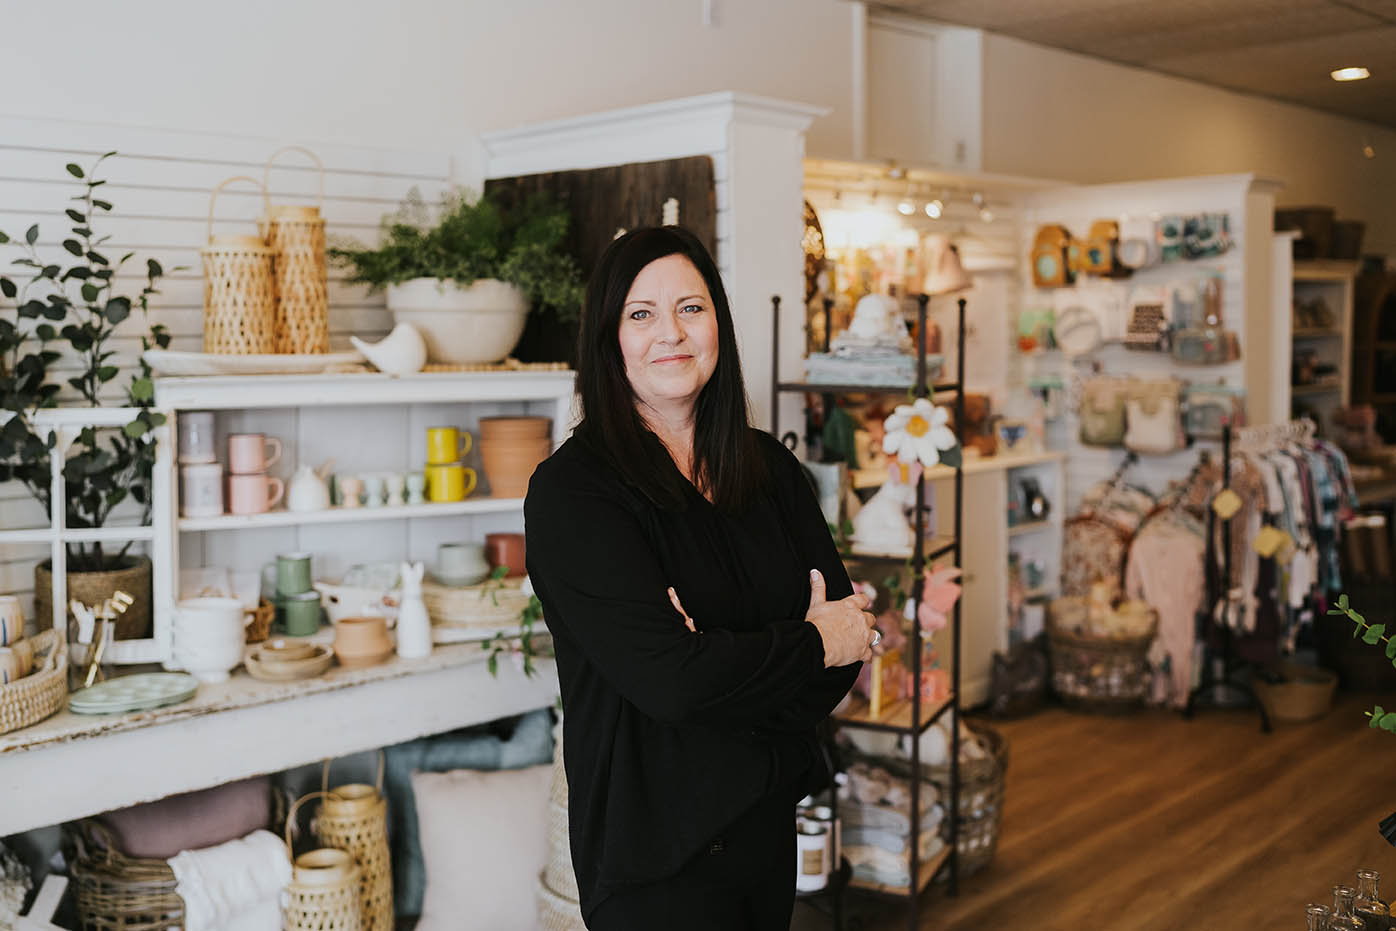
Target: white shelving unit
1332,282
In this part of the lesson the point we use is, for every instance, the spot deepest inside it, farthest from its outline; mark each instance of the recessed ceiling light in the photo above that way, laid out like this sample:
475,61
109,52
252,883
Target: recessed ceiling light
934,208
906,208
1350,74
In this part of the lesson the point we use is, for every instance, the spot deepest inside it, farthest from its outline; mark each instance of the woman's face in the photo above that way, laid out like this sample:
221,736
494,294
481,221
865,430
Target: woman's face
668,333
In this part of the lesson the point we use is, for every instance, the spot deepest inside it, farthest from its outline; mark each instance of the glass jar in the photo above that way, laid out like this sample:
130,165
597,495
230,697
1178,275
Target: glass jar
1318,917
1368,905
1343,918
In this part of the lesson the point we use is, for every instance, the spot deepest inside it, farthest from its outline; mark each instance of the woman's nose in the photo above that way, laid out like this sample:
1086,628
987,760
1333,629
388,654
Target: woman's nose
669,328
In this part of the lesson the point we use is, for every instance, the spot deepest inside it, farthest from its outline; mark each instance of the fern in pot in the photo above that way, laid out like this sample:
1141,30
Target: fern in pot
57,338
467,273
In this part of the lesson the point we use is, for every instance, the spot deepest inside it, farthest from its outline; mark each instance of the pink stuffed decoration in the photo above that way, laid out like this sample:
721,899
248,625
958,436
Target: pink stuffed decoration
939,592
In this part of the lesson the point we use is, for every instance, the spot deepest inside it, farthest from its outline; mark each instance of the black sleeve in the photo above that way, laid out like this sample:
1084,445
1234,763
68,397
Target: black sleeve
825,690
599,581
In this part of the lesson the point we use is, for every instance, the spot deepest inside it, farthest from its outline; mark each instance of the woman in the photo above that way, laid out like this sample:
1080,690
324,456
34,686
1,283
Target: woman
702,617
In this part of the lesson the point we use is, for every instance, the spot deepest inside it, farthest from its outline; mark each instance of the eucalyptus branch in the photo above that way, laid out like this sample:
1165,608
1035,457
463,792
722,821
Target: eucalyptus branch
1371,634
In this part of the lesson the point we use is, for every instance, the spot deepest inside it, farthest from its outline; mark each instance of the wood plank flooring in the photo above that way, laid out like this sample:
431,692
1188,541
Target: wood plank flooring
1153,823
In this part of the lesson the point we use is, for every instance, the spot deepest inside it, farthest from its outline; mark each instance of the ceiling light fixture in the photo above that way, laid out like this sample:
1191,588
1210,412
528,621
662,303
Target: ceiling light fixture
1350,74
986,214
906,208
934,208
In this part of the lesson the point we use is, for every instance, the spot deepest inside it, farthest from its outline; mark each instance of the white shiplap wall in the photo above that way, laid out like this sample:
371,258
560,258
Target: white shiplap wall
159,184
1075,208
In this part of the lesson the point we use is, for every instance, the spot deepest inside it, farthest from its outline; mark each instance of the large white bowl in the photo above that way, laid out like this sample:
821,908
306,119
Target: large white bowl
478,324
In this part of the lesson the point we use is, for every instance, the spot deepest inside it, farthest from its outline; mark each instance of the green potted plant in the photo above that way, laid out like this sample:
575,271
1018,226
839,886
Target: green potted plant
56,350
468,273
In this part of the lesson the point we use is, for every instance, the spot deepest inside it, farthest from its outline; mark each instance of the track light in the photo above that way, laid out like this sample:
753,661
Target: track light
934,209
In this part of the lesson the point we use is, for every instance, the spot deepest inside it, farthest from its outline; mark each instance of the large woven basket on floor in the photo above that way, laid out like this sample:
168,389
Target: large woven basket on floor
41,693
114,892
325,892
1098,673
354,818
980,799
239,289
297,235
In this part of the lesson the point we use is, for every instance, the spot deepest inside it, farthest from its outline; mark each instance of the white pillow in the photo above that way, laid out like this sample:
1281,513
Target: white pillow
484,841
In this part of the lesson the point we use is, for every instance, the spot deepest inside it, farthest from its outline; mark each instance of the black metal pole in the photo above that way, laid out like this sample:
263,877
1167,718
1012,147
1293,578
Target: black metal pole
917,585
954,812
775,366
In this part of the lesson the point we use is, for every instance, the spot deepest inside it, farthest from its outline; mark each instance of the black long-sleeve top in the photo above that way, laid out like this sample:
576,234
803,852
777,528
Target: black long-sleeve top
671,735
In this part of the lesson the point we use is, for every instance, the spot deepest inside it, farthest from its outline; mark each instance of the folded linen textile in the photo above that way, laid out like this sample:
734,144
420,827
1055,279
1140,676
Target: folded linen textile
234,886
872,864
881,816
893,841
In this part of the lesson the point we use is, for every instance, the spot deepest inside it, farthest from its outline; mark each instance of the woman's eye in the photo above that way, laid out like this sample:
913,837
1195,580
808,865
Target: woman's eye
639,314
692,308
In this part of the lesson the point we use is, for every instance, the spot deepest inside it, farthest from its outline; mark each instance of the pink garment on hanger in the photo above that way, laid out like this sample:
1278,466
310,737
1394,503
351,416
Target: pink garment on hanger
1166,569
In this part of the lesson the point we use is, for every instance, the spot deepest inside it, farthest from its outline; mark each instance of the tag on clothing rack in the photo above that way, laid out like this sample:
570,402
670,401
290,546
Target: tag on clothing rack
1270,540
1226,504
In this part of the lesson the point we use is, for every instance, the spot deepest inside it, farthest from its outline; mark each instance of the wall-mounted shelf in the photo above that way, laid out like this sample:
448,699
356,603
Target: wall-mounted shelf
1031,527
342,515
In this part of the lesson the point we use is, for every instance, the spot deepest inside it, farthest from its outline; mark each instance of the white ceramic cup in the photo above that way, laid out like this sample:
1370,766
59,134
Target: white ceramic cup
196,440
11,619
201,490
208,636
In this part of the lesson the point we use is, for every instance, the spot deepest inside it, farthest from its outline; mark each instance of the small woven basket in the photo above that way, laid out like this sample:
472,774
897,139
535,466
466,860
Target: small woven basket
259,628
41,693
1099,673
980,800
354,818
114,892
297,235
1301,693
239,289
325,893
492,605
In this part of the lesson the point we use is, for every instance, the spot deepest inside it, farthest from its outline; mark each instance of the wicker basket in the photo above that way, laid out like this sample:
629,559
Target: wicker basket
354,818
239,289
114,892
491,605
557,912
325,893
1304,694
41,693
297,235
259,628
980,800
1099,673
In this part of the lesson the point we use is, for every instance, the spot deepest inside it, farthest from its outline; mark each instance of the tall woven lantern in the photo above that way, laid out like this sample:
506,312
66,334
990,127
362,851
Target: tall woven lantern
325,887
354,818
239,289
297,234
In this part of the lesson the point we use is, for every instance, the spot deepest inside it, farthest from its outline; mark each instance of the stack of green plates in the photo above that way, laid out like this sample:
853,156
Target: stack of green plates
140,692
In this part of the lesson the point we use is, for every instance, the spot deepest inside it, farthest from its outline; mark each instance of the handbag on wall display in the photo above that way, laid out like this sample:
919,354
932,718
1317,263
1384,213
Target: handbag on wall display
1149,324
1050,262
1206,235
1077,331
1153,416
1207,408
1203,339
1102,412
1139,246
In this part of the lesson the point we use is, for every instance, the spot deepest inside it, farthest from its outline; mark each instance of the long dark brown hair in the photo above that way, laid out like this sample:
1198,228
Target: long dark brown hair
727,462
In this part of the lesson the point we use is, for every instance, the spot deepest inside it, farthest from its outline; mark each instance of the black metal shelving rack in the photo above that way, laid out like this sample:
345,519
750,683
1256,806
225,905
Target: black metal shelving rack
892,719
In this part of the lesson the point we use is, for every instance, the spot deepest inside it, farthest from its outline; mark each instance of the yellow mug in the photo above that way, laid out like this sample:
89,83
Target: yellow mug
451,482
446,445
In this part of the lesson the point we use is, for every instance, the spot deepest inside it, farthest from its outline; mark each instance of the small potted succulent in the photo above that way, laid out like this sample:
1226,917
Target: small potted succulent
468,273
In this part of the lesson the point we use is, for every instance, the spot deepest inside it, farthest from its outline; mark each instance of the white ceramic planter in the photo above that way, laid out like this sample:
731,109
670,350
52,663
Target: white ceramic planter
481,323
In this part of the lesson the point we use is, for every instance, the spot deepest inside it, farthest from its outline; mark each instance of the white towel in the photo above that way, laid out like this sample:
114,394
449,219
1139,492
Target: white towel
235,886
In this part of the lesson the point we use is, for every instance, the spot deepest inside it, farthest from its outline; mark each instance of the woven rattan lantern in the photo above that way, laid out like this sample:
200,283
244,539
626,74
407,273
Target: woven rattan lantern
297,235
239,289
325,889
354,818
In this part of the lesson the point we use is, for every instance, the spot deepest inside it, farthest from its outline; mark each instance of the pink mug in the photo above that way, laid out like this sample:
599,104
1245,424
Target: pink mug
253,494
249,453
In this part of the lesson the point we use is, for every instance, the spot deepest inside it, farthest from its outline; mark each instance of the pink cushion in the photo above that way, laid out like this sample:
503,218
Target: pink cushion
484,841
159,830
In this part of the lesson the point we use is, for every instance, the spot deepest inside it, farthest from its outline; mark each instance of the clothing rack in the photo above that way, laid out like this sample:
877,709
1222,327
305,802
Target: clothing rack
1218,594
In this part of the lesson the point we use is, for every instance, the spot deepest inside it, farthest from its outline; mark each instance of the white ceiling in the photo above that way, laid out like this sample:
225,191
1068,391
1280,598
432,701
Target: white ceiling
1283,49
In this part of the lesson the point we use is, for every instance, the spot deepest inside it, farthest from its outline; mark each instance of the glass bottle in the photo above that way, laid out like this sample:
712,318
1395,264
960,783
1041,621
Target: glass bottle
1343,919
1317,916
1368,905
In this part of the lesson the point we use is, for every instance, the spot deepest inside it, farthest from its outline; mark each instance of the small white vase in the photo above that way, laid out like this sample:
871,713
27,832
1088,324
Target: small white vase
413,622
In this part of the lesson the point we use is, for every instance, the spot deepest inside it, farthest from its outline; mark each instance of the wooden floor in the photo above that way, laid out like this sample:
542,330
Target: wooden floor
1154,823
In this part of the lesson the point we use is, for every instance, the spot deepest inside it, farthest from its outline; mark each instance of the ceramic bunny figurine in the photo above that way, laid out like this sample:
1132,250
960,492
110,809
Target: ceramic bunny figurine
881,525
413,624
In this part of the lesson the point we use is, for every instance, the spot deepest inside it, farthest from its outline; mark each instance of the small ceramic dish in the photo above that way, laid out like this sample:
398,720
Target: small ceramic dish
258,667
362,660
286,651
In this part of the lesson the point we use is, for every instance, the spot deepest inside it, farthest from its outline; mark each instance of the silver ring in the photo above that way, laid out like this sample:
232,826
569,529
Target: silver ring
877,638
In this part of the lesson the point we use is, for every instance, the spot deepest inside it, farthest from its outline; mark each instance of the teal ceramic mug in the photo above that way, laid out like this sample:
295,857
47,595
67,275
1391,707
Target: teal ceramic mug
300,614
292,573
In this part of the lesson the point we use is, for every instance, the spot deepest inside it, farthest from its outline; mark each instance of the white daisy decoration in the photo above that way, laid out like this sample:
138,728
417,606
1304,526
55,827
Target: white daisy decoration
918,432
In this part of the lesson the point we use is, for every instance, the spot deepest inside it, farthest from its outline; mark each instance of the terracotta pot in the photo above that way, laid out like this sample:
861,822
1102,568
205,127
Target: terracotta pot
361,640
509,462
506,549
93,588
515,427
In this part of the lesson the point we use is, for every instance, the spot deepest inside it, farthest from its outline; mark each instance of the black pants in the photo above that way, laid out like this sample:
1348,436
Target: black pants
744,881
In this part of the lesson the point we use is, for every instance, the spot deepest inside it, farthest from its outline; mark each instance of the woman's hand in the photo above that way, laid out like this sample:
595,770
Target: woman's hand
845,626
678,606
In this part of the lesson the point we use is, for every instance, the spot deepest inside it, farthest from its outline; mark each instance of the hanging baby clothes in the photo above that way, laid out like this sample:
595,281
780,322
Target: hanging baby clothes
1167,569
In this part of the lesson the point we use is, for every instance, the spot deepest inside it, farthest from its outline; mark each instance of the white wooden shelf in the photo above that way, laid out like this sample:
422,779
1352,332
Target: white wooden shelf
342,515
240,392
245,727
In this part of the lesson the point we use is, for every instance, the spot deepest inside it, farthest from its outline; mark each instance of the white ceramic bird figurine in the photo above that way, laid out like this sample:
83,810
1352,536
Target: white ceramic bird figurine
401,352
413,622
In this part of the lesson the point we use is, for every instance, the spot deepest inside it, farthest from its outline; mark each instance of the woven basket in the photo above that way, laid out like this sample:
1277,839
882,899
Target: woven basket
1099,673
325,893
259,628
981,798
557,912
239,289
114,892
491,605
297,235
41,693
1305,693
354,818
